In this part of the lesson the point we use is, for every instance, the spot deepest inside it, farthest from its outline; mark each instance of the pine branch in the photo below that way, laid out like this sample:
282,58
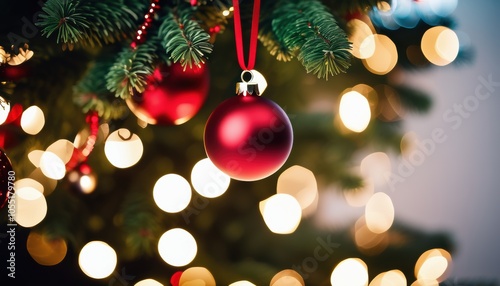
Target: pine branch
89,22
183,38
91,93
309,31
413,99
129,72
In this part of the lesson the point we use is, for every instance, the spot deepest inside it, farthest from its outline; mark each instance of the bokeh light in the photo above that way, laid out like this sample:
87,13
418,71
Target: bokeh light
52,166
44,250
390,278
287,277
440,45
63,149
48,184
123,149
300,183
4,110
384,58
32,120
362,39
197,276
28,189
31,210
375,167
379,213
242,283
350,272
177,247
148,282
433,265
172,193
208,180
281,213
354,110
368,242
97,259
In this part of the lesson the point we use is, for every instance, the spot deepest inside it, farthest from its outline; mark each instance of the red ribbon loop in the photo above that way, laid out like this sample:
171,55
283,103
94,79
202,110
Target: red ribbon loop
253,35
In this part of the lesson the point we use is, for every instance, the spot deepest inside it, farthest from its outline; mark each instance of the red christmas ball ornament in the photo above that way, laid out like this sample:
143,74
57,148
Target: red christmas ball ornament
248,137
7,178
172,95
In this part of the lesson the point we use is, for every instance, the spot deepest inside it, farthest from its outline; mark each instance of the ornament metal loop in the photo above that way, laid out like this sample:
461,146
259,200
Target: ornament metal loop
243,73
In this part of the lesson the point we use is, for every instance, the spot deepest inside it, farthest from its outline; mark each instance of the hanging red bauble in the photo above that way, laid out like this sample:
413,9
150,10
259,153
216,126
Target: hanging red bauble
7,178
248,137
172,95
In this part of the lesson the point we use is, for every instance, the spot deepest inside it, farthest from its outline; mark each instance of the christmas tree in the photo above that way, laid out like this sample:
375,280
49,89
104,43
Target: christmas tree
112,107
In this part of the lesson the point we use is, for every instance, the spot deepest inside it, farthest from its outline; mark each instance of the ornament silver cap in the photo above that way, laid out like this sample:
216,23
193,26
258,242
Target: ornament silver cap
247,87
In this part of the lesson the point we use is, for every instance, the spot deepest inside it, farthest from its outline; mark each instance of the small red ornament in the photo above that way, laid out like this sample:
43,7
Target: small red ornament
7,178
248,137
172,95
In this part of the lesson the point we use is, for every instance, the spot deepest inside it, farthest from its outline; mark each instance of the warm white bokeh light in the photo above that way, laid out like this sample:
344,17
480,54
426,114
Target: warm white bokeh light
123,148
28,189
394,278
379,213
172,193
35,156
300,183
434,264
177,247
354,111
242,283
281,212
97,259
350,272
362,39
440,45
197,276
208,180
87,183
376,167
32,120
148,282
30,212
287,277
384,58
63,149
52,166
4,110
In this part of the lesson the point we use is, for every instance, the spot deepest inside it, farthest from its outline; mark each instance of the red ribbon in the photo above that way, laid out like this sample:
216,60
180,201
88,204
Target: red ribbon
253,35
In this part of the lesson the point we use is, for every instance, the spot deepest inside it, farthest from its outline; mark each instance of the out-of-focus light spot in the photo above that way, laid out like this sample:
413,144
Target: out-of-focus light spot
433,265
383,6
425,283
35,156
172,193
48,184
361,37
394,278
208,180
242,283
390,108
350,272
440,45
354,111
226,13
32,120
281,212
196,276
63,149
406,14
148,282
300,183
123,149
384,58
4,110
46,251
375,167
443,8
287,277
177,247
360,196
368,92
87,183
379,213
97,259
28,189
368,242
52,166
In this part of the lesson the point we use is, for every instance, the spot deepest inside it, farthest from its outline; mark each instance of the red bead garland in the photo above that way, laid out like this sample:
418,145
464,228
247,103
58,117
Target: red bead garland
140,35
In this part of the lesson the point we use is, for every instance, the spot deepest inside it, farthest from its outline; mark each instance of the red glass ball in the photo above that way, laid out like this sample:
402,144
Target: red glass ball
248,137
172,95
